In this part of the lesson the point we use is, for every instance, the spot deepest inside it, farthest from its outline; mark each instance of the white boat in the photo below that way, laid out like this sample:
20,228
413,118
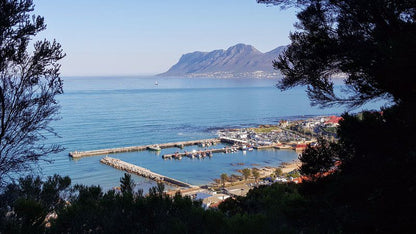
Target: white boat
154,148
156,83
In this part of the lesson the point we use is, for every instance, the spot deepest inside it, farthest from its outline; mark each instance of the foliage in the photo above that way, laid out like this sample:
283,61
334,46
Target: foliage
371,42
224,178
29,82
25,205
293,174
278,172
317,160
94,211
246,172
374,187
278,207
127,184
330,129
256,174
266,129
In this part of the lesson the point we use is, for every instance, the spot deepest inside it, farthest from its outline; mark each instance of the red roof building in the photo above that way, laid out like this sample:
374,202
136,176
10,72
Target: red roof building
333,119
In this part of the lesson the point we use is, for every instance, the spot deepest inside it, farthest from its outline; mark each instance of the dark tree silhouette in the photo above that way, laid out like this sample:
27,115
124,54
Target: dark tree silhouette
371,42
319,159
24,206
127,184
29,82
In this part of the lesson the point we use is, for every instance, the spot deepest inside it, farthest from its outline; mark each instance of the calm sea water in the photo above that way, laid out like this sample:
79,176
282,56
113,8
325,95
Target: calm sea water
107,112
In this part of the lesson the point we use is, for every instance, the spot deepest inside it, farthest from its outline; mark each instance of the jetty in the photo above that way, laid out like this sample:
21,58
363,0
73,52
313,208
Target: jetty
141,171
199,153
204,142
232,140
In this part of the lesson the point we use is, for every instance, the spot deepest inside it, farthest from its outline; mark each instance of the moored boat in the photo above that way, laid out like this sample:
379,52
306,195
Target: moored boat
154,148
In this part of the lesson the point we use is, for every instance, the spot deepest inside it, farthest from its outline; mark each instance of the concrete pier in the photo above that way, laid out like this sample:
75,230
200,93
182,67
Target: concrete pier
121,165
232,141
80,154
196,154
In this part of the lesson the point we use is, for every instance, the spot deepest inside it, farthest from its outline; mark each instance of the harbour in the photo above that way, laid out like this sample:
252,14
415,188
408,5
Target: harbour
110,113
236,145
264,137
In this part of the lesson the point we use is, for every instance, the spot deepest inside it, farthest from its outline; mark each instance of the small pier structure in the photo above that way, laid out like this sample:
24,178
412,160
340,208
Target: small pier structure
232,140
125,166
80,154
199,153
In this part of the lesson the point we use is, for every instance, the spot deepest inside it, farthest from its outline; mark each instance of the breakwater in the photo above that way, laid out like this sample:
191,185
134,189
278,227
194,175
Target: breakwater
80,154
141,171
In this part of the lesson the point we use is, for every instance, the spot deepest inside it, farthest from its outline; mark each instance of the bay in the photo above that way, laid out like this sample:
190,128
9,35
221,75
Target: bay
109,112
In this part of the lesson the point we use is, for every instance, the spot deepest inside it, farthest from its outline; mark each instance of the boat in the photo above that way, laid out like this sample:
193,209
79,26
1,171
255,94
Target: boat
154,148
156,83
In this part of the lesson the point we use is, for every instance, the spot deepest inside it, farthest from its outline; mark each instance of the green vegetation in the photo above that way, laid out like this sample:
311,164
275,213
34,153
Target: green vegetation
332,130
278,172
266,129
256,174
224,178
293,174
320,159
246,172
25,205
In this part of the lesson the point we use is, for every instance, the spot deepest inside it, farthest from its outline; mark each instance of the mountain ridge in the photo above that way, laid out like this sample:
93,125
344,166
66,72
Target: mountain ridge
238,61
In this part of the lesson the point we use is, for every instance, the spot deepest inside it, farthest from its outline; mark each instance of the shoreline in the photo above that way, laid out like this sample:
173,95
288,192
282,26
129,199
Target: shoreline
265,171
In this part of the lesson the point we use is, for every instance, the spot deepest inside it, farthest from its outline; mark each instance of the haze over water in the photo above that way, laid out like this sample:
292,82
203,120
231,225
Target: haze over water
109,112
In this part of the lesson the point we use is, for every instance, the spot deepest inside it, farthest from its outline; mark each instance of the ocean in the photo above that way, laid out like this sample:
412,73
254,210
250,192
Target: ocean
109,112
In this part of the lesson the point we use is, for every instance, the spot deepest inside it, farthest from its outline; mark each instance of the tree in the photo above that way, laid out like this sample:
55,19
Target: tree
25,205
224,178
246,173
278,172
317,160
256,174
29,82
371,42
127,184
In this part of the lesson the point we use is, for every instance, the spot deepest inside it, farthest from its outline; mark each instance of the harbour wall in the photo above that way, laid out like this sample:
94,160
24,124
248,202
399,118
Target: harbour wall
80,154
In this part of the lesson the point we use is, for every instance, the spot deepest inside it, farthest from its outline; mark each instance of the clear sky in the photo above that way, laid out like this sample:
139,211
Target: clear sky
134,37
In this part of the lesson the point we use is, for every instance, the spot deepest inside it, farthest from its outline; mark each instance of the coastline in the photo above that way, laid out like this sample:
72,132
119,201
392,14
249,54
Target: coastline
242,186
265,171
291,166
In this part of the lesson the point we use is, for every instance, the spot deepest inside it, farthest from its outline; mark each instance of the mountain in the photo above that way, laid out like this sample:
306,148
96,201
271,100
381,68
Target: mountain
240,60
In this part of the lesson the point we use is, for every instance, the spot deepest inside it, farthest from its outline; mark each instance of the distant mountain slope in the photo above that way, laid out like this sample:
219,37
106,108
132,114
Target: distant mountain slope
237,61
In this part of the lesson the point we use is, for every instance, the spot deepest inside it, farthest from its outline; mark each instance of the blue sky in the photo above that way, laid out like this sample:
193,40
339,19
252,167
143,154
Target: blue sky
135,37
